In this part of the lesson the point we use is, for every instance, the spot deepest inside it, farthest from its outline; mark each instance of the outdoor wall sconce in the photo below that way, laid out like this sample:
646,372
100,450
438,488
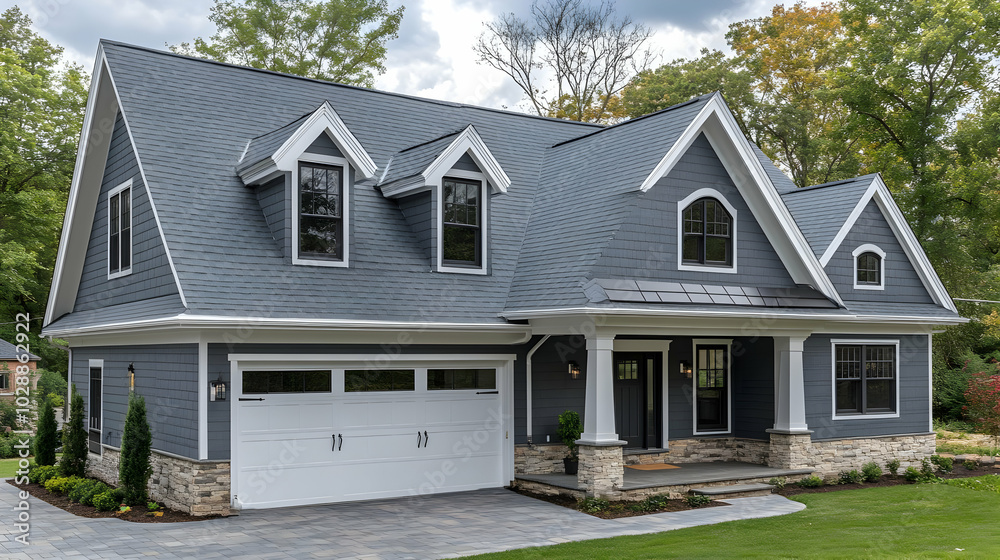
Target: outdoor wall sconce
686,369
218,390
574,370
131,377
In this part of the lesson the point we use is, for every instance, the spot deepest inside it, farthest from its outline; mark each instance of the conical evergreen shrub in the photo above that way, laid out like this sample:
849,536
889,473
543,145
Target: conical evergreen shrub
134,467
45,438
74,456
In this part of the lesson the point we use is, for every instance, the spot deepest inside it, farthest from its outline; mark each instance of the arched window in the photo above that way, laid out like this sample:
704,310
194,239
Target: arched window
869,269
708,233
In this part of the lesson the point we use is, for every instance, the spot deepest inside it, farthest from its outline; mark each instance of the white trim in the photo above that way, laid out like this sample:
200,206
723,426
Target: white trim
879,192
716,121
930,383
681,207
100,431
202,400
728,343
146,185
833,376
347,189
483,226
663,347
131,232
324,119
765,313
529,420
869,248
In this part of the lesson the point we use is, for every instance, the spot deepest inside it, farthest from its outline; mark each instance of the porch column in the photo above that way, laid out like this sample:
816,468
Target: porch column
790,439
602,469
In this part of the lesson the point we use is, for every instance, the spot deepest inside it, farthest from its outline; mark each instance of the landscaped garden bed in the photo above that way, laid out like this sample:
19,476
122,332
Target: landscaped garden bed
615,509
936,469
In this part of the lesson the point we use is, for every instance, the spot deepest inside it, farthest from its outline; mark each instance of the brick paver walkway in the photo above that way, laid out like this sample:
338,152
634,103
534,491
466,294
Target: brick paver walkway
443,526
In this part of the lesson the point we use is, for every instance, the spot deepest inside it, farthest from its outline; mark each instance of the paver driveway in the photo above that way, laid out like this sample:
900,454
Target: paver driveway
439,526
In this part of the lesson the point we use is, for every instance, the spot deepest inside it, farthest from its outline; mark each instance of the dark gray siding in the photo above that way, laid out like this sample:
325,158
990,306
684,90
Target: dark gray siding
645,247
914,413
553,390
151,276
466,163
218,364
165,375
323,145
418,209
902,285
274,201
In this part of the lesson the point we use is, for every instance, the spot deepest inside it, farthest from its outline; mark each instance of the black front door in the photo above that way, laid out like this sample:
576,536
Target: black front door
637,387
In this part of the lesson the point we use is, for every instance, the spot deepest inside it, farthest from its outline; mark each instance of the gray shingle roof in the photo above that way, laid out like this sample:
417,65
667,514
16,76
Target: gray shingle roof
412,161
684,293
821,210
9,351
155,308
266,144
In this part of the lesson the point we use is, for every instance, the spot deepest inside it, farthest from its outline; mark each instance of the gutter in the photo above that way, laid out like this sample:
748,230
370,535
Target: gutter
528,385
618,312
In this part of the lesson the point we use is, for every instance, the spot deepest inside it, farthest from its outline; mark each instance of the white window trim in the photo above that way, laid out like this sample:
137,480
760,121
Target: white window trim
728,343
833,377
131,212
348,188
100,431
484,226
869,248
681,206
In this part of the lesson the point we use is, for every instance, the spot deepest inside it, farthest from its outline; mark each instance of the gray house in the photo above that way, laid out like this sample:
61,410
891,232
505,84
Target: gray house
328,293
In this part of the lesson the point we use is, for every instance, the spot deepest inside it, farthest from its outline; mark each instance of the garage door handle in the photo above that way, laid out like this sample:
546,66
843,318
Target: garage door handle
242,399
425,438
334,436
341,444
418,439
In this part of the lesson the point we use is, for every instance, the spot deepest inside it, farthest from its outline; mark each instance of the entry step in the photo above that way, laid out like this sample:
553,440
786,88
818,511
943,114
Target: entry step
736,489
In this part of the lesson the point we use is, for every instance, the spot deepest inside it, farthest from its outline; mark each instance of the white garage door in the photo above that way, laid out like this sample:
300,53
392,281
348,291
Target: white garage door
306,436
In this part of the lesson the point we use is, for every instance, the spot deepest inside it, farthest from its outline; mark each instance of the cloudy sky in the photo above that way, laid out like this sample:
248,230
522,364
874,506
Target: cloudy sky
431,58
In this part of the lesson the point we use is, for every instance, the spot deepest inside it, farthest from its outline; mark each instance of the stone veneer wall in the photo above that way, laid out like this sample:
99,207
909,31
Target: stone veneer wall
602,470
195,487
829,457
546,458
706,450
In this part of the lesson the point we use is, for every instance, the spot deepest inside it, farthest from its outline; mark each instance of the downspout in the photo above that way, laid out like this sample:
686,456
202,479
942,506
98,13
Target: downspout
528,387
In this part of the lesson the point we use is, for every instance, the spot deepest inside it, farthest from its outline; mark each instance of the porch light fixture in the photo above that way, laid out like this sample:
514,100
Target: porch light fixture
686,370
574,370
218,390
131,377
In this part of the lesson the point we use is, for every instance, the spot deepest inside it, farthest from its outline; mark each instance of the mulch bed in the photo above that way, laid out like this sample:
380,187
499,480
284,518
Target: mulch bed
137,515
886,480
616,509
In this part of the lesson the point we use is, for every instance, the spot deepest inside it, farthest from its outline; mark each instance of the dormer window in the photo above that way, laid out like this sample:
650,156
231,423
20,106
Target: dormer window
868,264
321,211
708,233
462,240
120,230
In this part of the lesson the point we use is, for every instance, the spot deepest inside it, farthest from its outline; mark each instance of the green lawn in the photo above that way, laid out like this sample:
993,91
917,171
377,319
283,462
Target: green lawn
8,467
909,521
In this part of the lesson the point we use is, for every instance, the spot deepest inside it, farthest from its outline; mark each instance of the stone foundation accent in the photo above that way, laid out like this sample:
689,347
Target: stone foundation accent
602,470
706,450
828,458
546,458
194,487
637,495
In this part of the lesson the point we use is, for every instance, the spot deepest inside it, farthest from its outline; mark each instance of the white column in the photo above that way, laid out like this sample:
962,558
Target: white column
789,386
203,400
599,414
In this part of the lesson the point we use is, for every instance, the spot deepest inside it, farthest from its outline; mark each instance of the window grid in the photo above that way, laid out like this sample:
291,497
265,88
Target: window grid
628,370
869,269
462,218
865,378
120,231
321,220
707,233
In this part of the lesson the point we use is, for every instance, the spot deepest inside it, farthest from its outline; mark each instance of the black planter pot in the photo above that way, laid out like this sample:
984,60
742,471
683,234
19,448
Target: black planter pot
571,465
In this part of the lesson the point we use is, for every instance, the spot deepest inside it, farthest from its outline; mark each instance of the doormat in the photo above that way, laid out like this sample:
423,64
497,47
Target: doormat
657,467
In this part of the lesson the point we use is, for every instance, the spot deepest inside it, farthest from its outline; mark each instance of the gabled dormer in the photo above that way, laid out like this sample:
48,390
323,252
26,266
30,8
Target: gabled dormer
304,173
443,188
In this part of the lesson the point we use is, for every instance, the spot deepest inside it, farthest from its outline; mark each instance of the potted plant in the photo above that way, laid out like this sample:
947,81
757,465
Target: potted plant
570,429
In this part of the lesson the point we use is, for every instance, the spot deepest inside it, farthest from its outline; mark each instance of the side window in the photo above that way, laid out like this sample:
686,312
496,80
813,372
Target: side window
462,238
95,394
321,216
708,234
120,230
869,268
865,379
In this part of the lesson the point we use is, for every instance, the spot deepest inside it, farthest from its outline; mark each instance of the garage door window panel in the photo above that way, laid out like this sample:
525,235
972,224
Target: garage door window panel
270,382
375,380
459,379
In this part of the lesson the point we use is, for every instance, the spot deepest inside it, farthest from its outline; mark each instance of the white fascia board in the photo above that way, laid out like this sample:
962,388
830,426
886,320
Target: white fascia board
405,187
469,142
716,121
325,120
879,192
146,185
681,312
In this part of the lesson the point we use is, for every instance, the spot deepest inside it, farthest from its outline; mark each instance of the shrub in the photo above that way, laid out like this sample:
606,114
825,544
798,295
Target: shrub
87,498
983,395
45,440
871,472
850,477
970,465
912,474
893,466
778,482
105,501
570,428
153,506
62,484
74,454
811,481
80,489
698,500
926,467
119,495
40,474
51,383
944,464
56,400
592,505
134,469
8,415
653,503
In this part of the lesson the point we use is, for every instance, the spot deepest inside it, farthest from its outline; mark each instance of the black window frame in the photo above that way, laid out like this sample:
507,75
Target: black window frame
120,231
477,228
703,236
283,386
867,269
717,378
341,219
95,414
452,379
860,373
398,380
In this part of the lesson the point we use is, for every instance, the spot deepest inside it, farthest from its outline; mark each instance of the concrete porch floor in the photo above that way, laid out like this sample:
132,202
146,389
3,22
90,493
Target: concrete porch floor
688,474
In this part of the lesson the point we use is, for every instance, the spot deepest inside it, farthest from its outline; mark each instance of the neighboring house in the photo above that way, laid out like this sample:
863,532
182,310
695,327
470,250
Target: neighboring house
400,295
10,358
